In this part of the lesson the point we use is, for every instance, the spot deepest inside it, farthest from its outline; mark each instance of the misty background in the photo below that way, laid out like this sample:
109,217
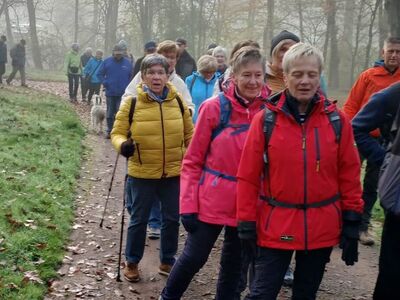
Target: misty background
350,33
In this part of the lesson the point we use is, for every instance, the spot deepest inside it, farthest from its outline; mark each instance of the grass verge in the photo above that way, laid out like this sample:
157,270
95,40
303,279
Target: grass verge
40,142
46,75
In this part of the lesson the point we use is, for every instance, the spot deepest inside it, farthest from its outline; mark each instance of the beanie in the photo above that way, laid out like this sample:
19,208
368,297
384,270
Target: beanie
283,35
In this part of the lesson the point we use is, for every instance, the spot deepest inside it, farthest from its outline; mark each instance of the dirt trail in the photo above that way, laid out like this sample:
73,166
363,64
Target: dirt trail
90,264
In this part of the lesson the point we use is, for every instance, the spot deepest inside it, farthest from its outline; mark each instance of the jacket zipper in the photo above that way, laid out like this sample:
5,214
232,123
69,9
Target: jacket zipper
163,140
305,184
317,149
138,153
269,218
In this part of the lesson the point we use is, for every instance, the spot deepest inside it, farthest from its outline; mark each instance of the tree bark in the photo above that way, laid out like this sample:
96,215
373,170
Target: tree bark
334,51
111,25
383,25
357,41
392,8
10,37
269,27
301,20
347,43
37,60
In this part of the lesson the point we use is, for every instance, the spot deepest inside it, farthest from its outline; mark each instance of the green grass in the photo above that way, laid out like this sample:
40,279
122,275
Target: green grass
46,75
40,142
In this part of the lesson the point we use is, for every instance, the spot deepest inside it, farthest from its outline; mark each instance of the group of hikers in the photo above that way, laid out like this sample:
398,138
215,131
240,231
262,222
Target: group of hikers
255,150
252,149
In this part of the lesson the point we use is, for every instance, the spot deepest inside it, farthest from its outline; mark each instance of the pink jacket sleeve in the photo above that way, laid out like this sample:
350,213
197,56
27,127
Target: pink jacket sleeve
194,159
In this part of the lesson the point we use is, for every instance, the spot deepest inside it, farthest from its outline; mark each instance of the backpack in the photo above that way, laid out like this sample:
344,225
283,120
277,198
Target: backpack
268,127
389,179
132,111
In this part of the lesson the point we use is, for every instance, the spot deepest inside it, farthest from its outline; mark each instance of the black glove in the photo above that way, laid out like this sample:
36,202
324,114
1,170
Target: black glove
127,148
247,231
190,222
349,237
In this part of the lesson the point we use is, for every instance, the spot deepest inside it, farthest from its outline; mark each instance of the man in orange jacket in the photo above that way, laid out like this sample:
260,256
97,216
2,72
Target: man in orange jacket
384,73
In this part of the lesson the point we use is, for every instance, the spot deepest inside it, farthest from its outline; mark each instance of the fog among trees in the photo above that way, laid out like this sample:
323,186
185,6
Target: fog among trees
350,33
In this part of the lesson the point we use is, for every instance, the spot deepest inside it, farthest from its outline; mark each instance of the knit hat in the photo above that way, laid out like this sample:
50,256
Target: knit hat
283,35
118,49
150,45
181,41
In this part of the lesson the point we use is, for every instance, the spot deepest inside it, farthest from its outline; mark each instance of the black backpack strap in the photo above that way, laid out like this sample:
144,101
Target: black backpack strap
224,115
180,103
336,122
268,127
130,116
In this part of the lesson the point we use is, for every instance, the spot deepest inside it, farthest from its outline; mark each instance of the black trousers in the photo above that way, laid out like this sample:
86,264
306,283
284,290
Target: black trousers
94,88
270,268
2,71
73,84
387,285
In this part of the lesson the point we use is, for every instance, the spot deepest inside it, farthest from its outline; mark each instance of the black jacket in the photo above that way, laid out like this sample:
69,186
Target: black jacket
17,54
185,65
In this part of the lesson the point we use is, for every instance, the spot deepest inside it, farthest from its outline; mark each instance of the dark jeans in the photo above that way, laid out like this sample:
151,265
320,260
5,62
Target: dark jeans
155,216
140,195
15,69
387,284
271,266
113,103
94,88
2,71
73,84
198,246
85,86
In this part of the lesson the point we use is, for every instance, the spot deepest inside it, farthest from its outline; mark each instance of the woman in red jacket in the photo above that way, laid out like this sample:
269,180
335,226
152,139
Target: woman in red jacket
208,177
303,148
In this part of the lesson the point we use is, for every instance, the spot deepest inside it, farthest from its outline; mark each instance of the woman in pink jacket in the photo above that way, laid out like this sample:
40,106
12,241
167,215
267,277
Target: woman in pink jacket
208,177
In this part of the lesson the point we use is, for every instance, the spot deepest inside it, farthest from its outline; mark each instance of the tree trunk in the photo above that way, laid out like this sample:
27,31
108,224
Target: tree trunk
301,21
111,25
334,51
95,23
10,37
76,22
392,8
269,27
251,19
370,33
37,60
347,43
357,41
383,25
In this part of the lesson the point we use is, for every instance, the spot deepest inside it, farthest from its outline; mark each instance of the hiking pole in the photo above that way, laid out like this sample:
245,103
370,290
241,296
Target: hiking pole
122,228
109,191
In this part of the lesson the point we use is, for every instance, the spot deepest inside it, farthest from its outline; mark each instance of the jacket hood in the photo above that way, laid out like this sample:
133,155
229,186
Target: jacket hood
201,77
379,63
172,93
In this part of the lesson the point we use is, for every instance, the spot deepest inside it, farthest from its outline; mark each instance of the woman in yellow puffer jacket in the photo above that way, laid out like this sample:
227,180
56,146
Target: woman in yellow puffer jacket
160,131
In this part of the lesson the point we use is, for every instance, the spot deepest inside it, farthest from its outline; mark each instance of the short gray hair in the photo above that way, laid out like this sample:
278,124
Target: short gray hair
220,50
301,50
153,60
207,63
245,55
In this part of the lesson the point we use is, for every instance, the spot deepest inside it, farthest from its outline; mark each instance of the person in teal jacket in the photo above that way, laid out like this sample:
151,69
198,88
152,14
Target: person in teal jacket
90,73
201,83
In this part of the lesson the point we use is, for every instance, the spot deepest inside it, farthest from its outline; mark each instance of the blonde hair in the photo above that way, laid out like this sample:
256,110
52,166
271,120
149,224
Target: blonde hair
207,63
301,50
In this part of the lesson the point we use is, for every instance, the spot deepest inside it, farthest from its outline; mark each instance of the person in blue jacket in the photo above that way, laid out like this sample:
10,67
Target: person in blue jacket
90,74
201,83
115,74
379,113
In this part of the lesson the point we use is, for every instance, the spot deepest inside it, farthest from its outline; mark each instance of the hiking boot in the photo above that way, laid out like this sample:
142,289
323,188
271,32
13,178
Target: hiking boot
366,238
164,269
131,272
153,233
289,277
108,136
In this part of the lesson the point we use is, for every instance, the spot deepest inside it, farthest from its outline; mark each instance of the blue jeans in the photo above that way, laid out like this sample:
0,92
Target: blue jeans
113,103
155,215
270,268
198,246
140,196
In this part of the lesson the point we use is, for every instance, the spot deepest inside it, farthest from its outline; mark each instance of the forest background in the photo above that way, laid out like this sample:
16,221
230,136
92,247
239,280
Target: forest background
350,33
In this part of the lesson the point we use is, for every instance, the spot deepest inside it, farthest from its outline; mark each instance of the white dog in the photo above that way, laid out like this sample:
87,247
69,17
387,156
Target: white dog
97,114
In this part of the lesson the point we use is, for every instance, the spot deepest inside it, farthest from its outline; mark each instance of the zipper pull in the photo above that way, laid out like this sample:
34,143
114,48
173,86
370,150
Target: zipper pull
317,166
304,143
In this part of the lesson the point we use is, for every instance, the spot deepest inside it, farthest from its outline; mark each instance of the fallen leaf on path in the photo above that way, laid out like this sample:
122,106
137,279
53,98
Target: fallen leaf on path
32,276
